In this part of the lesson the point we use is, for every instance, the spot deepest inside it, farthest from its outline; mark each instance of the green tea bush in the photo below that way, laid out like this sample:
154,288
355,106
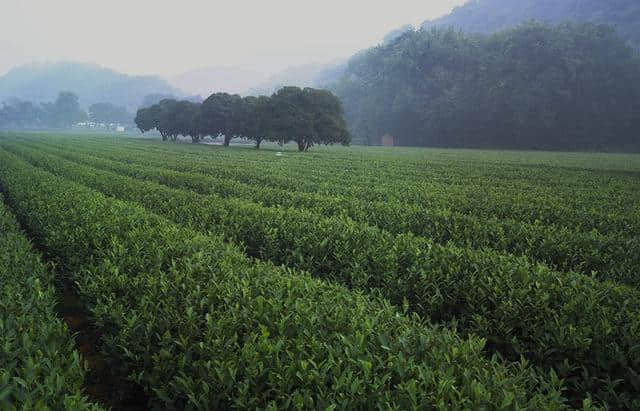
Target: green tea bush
579,199
200,326
586,330
39,367
609,256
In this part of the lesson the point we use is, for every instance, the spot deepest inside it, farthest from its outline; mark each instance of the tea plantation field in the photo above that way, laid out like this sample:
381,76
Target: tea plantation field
342,278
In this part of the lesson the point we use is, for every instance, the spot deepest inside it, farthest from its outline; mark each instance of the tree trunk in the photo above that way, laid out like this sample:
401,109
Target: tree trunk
258,141
227,140
301,146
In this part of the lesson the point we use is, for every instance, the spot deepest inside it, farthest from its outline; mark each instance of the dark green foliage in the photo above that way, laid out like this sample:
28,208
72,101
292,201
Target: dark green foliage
189,120
167,118
221,114
181,118
202,327
172,118
571,86
584,329
257,119
306,116
147,119
39,367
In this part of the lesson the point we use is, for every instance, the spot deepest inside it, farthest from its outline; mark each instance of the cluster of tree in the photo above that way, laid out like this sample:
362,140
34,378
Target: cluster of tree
489,16
64,112
306,116
109,114
570,86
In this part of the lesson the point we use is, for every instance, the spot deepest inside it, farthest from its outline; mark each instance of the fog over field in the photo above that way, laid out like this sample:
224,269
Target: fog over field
169,38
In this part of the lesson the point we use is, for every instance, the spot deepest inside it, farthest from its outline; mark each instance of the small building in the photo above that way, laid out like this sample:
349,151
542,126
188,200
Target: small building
388,140
120,129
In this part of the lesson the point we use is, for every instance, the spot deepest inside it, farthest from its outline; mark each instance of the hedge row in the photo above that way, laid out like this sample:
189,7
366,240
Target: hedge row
201,326
608,257
417,168
587,331
609,212
39,367
590,208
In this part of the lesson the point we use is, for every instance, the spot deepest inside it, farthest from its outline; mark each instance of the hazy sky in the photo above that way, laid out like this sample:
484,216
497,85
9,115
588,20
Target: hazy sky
171,36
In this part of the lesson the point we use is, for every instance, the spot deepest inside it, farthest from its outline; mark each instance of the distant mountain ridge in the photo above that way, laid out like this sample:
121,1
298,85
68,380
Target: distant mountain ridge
41,82
489,16
208,80
318,75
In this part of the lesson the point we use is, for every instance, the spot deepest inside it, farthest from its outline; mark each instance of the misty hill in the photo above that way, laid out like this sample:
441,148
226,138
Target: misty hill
487,16
41,82
537,86
209,80
307,75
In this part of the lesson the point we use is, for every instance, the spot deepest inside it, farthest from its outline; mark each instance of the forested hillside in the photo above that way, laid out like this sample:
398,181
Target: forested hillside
569,86
487,16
